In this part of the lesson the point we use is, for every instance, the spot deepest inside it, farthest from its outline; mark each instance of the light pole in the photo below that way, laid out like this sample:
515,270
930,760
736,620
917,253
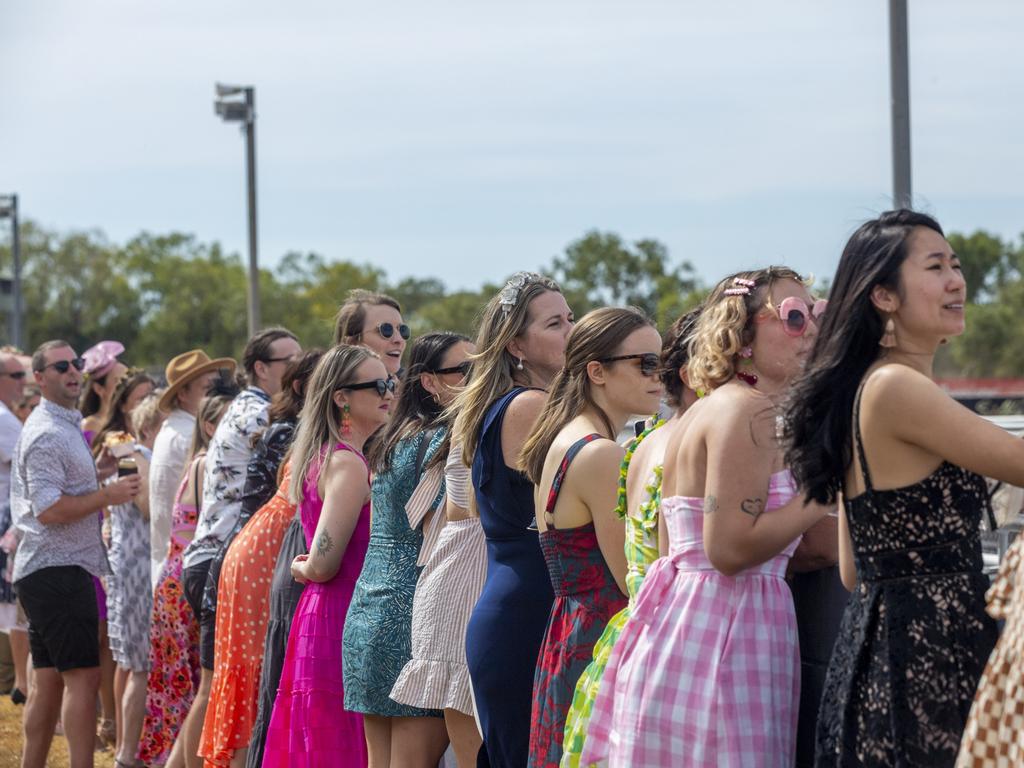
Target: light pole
9,208
899,79
237,103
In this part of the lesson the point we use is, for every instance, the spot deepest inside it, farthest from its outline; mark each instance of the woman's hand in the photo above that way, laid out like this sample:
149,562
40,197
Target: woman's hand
298,569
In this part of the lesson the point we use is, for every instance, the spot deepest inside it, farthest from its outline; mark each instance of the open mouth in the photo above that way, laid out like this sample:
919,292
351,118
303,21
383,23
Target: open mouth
955,307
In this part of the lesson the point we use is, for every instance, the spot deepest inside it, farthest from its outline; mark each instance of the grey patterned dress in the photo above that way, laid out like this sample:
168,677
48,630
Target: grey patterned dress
129,588
377,641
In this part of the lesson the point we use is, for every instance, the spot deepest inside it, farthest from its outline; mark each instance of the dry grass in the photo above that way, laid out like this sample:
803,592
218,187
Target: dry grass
10,741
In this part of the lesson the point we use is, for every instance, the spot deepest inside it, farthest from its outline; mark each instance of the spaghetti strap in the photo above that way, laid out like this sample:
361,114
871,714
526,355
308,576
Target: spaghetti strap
858,440
556,482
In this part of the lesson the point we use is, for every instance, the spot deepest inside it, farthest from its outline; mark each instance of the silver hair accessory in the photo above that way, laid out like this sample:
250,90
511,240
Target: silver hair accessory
510,293
742,289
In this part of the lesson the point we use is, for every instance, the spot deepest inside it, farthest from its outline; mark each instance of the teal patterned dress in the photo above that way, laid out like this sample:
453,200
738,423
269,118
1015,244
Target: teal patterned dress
377,641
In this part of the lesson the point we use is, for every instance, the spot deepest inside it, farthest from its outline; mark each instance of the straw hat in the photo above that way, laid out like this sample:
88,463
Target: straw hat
187,366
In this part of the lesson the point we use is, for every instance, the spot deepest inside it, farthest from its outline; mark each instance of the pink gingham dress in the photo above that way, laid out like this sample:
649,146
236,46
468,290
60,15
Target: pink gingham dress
707,669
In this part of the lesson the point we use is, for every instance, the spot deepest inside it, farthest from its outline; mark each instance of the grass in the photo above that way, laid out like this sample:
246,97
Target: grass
10,741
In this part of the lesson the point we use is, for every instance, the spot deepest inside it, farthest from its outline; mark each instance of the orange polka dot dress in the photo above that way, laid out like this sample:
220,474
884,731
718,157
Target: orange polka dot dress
242,613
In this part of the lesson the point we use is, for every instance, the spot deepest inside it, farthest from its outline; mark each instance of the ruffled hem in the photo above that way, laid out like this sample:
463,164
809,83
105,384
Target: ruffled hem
231,713
430,684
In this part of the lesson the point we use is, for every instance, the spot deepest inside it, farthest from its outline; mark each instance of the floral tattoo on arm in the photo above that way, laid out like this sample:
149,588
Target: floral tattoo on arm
710,505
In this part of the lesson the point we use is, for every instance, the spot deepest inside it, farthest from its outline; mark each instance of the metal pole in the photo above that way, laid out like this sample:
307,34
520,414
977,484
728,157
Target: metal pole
899,77
16,333
254,270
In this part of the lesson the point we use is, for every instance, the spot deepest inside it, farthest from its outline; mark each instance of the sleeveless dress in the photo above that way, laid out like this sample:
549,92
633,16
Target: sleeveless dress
129,585
641,550
437,676
915,637
309,726
706,673
994,736
378,637
242,609
506,629
586,597
174,645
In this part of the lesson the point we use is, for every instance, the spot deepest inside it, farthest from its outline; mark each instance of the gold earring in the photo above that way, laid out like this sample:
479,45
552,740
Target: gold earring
888,340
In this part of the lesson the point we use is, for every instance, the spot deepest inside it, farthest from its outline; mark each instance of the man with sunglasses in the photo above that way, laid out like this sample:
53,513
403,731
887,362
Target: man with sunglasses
12,386
55,497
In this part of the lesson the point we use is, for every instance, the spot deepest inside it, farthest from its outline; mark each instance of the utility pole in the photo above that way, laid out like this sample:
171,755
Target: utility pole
9,208
899,78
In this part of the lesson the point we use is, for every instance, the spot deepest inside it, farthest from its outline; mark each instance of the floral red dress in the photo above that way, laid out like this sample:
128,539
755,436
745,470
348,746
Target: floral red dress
586,597
174,646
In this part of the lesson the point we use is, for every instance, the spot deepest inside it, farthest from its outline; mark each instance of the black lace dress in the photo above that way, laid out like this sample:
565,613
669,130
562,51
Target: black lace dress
915,636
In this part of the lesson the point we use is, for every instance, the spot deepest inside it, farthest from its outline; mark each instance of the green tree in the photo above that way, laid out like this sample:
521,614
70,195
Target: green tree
987,262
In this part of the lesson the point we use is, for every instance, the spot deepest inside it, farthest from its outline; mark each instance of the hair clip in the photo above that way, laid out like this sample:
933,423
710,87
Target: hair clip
743,289
510,293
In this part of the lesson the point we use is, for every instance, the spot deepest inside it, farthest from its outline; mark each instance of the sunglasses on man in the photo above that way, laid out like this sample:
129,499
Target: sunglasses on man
387,330
650,362
13,374
63,366
383,386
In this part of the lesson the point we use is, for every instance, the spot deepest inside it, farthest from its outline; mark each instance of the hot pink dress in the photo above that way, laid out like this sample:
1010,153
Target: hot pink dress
310,727
706,672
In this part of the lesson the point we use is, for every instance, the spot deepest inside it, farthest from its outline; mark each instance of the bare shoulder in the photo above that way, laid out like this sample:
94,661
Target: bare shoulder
526,406
893,389
601,456
347,464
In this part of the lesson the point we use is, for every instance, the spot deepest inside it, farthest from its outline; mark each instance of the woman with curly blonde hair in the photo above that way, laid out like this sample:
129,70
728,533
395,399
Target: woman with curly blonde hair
707,669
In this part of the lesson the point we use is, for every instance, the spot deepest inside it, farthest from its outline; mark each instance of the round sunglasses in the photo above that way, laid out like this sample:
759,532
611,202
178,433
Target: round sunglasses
387,330
796,315
650,362
383,386
63,366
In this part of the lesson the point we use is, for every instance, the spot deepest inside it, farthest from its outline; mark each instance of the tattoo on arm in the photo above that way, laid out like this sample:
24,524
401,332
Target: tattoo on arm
710,505
752,507
324,543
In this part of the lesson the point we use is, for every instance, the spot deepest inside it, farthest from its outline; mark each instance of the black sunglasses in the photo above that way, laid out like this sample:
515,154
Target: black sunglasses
383,386
62,366
387,330
649,361
13,374
462,368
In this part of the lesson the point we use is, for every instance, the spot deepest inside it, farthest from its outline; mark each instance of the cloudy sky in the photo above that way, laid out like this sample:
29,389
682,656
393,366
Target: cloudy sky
464,140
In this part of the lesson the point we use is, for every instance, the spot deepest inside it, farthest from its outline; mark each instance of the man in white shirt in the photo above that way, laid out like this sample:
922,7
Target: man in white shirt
189,376
12,385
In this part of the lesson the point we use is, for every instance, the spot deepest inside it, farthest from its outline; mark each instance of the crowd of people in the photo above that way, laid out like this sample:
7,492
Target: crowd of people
367,555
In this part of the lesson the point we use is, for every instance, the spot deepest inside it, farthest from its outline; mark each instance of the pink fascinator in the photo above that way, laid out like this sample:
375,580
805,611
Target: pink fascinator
99,359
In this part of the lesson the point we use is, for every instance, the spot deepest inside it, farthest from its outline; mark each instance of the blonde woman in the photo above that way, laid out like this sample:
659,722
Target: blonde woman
520,349
611,371
348,399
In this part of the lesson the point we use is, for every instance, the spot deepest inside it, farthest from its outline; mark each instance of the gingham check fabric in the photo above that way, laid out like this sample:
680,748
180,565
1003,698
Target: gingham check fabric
707,670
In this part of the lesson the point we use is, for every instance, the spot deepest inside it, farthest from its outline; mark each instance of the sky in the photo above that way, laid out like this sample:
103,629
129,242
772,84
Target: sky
466,140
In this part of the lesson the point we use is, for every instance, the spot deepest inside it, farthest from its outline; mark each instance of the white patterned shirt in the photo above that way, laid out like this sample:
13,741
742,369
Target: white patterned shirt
169,453
227,461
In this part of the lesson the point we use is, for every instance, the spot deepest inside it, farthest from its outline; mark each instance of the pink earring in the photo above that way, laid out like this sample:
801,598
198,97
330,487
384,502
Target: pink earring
888,339
346,421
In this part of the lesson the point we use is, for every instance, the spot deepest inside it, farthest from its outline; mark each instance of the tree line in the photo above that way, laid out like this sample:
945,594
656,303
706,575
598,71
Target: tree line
162,294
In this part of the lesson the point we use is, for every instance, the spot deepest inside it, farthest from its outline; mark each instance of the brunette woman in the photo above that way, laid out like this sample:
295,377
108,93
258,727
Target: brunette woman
373,320
572,457
520,348
174,632
868,421
244,576
103,372
377,641
348,399
639,499
706,671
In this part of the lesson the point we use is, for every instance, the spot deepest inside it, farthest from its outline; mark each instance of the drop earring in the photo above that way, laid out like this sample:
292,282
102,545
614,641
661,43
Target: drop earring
346,421
519,365
747,361
888,340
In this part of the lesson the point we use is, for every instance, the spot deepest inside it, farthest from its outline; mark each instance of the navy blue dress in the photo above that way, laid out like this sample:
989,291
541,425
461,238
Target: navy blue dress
507,626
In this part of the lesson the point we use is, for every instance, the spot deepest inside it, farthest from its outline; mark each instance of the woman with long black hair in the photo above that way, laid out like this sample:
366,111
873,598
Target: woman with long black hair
867,422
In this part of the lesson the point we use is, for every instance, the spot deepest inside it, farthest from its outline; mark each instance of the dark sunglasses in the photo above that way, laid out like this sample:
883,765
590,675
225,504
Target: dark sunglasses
461,368
63,366
650,362
387,330
383,386
13,374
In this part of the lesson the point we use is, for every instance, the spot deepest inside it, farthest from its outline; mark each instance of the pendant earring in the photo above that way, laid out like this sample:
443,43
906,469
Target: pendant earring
346,421
747,361
519,365
888,339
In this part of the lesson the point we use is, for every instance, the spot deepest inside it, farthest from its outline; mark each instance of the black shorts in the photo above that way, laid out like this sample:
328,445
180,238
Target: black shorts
193,582
63,618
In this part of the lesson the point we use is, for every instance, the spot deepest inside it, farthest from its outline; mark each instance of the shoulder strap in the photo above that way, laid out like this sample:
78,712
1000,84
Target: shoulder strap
195,486
421,453
556,482
858,440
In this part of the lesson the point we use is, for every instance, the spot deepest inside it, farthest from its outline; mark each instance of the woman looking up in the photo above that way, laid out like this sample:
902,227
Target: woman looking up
520,348
868,421
572,457
375,321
